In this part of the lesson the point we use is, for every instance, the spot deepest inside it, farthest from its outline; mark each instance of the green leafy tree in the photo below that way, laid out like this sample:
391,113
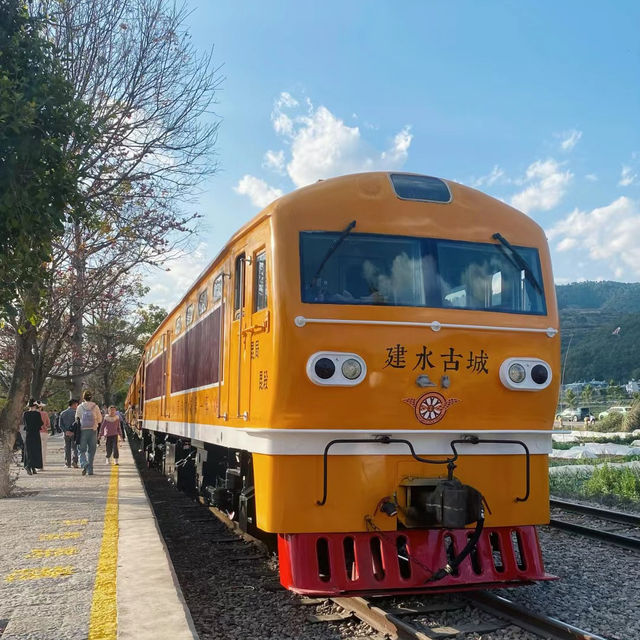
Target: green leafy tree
39,117
587,395
571,398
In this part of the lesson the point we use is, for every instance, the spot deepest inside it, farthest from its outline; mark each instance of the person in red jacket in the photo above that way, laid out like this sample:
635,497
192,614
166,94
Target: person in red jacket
112,428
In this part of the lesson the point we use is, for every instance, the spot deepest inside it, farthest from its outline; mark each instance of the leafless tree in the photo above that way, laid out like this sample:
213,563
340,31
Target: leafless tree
151,95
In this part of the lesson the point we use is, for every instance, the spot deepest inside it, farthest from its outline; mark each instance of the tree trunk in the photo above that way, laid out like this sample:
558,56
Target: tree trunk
37,379
77,309
11,414
106,381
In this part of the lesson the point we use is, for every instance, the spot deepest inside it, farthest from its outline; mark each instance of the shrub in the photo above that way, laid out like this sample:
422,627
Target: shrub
563,445
632,421
621,482
612,422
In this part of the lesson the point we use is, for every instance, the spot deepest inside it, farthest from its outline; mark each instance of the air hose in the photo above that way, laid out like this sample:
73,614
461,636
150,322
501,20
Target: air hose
452,566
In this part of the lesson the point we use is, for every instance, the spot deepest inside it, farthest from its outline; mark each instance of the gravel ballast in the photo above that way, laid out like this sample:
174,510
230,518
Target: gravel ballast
232,590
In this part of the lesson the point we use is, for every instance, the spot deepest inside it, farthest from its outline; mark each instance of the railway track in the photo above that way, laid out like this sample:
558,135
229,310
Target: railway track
246,588
606,517
402,623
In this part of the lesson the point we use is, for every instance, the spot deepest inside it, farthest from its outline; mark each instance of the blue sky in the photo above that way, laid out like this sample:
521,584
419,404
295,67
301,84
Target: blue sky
536,103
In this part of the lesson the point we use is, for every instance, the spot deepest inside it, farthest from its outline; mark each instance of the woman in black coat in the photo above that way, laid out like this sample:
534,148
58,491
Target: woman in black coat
32,442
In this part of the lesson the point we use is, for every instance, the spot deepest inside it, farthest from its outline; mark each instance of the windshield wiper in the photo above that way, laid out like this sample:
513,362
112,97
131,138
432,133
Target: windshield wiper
332,249
512,253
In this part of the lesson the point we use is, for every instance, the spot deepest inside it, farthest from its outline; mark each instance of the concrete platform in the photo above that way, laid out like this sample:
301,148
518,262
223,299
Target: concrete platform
82,557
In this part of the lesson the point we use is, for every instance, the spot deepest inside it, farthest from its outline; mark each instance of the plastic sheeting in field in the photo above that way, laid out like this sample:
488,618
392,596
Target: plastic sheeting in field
595,450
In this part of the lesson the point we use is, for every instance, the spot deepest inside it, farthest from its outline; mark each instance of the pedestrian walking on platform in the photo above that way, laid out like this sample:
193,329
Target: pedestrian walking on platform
88,413
44,432
32,421
70,428
112,429
55,423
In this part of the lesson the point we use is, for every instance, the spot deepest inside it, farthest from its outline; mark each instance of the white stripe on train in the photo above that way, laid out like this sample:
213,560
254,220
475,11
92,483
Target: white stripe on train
299,441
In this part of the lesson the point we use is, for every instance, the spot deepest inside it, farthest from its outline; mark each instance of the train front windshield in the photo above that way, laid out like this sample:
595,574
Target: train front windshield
371,269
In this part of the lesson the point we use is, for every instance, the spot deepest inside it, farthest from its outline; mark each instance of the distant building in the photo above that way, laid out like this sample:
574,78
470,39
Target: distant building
578,387
633,386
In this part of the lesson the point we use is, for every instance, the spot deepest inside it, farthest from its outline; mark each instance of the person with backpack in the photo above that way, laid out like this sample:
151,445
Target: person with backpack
88,413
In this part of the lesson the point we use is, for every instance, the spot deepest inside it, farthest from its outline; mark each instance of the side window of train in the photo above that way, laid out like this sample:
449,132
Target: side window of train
178,324
189,315
217,289
238,286
203,301
260,281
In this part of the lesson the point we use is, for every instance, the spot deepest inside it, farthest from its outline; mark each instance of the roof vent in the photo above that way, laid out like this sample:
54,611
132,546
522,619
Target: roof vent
423,188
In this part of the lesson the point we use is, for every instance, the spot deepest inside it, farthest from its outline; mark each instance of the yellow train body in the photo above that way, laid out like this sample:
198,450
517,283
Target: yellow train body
450,358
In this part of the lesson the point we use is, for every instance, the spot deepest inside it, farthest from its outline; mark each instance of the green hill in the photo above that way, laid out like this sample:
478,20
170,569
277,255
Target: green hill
589,313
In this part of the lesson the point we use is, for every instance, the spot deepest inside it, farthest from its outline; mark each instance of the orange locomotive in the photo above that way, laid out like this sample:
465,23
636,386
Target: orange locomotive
368,370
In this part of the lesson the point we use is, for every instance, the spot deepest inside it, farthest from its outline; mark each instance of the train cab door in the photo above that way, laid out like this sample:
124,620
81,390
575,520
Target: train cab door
238,356
257,331
249,351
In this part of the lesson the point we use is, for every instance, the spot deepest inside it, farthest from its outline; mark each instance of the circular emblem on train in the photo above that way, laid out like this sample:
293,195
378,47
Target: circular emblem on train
430,407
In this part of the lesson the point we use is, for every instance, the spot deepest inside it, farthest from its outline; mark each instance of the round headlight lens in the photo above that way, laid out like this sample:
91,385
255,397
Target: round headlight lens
351,369
517,373
325,368
539,374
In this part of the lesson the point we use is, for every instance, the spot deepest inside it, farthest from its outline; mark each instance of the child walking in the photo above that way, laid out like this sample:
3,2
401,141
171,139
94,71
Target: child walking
111,428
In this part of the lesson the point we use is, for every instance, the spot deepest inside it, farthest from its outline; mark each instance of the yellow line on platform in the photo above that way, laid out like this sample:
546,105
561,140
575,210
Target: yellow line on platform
70,523
39,574
69,535
52,553
103,624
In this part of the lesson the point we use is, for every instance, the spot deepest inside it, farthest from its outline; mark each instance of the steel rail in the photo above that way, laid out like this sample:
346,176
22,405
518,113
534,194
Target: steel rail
615,538
537,623
380,620
392,627
605,514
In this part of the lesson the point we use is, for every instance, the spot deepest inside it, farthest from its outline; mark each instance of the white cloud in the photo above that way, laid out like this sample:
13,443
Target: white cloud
274,160
570,139
282,123
547,184
397,154
169,283
322,145
567,243
486,181
259,192
285,99
607,233
591,177
319,145
627,176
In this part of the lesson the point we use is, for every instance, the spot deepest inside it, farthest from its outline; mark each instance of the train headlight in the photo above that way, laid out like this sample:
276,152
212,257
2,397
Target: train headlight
336,369
351,369
525,374
517,373
539,374
324,368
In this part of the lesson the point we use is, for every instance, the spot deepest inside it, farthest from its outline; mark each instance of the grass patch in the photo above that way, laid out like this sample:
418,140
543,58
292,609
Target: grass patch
613,486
